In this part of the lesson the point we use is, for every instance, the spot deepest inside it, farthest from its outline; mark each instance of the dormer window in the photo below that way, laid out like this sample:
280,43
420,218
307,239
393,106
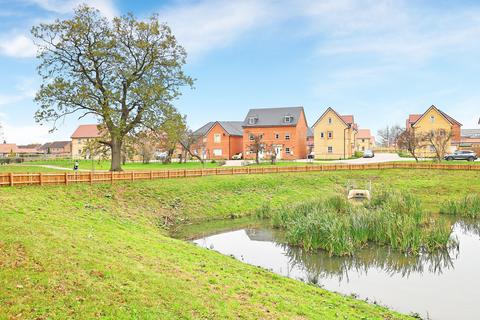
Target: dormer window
252,120
288,119
432,119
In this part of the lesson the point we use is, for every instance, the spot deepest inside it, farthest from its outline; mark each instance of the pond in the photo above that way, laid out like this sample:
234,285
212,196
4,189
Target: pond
444,285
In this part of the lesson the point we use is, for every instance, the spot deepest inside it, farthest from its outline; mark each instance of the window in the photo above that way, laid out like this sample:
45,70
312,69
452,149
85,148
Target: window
330,135
322,135
432,119
288,119
287,136
363,140
330,149
287,150
363,148
252,120
277,136
217,152
217,138
329,120
251,137
260,136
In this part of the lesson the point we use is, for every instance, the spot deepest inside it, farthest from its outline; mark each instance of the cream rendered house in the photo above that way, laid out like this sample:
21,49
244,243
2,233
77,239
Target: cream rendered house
334,136
365,140
431,120
82,136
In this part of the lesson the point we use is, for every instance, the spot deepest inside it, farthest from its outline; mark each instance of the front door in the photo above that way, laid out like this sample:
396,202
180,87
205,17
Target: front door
278,151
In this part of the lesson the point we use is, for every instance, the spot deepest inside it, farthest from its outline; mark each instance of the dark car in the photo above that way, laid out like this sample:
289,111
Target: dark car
462,155
368,154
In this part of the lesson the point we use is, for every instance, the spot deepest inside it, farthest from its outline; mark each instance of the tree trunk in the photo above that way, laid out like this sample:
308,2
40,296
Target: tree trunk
257,160
116,148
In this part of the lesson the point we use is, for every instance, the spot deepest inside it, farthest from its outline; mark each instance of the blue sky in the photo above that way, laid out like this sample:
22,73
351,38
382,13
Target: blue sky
379,60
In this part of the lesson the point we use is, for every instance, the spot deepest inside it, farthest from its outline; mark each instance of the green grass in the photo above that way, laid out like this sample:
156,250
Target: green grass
25,168
340,227
82,251
468,207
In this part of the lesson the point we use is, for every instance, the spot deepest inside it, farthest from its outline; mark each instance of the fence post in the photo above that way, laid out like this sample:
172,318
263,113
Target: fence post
40,177
11,179
91,177
185,172
133,176
66,178
111,177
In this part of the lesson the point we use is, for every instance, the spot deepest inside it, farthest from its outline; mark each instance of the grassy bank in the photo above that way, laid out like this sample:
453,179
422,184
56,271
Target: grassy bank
340,227
83,251
466,207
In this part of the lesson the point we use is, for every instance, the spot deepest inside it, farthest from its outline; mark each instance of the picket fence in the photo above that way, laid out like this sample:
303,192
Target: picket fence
21,179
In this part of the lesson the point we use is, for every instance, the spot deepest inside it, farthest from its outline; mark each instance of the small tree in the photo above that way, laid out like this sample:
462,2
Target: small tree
256,145
191,142
409,140
170,134
125,72
388,135
439,139
273,151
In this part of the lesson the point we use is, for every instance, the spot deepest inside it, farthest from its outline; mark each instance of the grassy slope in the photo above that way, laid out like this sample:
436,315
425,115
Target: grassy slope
83,251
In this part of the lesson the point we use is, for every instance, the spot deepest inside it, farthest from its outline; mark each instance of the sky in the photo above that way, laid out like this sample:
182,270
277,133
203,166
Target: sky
379,60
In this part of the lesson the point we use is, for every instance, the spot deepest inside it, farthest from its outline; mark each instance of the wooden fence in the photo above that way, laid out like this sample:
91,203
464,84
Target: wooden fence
18,179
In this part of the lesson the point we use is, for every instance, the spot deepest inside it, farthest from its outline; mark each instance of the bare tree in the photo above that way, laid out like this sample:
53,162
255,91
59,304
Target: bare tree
411,141
256,145
439,140
191,142
272,150
388,135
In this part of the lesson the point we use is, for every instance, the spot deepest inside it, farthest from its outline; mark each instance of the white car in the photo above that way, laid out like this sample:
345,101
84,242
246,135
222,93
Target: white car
237,156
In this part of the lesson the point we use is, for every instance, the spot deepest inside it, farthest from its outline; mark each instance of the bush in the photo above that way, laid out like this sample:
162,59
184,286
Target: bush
339,227
358,154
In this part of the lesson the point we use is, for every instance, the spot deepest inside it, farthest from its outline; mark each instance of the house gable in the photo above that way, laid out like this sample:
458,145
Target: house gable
333,113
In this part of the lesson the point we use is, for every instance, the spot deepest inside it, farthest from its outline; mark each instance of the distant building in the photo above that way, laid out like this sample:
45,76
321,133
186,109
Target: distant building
364,140
470,140
310,140
282,129
334,135
219,140
14,150
7,149
57,148
82,136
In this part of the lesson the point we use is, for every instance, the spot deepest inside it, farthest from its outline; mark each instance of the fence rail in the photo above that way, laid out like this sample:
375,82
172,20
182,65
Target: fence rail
21,179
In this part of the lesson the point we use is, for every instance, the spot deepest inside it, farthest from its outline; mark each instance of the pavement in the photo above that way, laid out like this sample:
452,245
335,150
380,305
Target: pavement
378,158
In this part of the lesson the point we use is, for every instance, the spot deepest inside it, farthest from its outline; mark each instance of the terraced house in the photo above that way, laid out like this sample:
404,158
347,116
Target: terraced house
219,140
434,119
334,135
282,131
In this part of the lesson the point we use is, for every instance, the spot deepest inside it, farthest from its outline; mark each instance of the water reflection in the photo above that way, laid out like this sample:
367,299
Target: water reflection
320,265
443,285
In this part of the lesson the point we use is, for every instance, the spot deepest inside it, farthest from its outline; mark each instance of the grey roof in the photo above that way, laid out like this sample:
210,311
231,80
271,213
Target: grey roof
233,128
269,117
472,133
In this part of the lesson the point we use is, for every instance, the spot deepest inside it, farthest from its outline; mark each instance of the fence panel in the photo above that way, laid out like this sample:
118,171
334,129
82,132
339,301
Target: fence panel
21,179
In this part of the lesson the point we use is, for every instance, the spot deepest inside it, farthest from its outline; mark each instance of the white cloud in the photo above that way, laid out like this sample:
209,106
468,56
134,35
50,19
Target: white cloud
25,134
17,46
203,26
106,7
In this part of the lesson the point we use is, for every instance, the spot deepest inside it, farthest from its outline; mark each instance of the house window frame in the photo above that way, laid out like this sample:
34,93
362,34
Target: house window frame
432,119
252,120
217,154
329,149
322,135
276,136
330,120
288,150
329,134
288,119
287,136
219,136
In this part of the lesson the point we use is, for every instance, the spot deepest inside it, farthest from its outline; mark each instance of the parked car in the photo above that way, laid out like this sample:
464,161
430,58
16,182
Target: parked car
468,155
368,154
311,156
237,156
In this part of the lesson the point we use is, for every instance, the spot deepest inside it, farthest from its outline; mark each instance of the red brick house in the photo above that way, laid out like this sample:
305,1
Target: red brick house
281,129
219,140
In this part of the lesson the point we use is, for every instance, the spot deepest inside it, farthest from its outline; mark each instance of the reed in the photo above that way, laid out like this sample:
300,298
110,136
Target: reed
391,218
468,207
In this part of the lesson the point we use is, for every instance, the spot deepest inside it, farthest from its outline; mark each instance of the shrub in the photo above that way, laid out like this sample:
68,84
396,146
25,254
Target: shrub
358,154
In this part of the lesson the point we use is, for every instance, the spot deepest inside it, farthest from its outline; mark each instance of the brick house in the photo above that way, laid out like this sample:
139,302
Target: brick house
434,119
57,148
364,140
334,135
310,140
82,136
219,140
281,129
470,140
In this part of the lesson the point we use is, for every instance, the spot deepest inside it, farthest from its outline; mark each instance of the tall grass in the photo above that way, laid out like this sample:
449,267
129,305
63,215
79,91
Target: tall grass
391,218
468,207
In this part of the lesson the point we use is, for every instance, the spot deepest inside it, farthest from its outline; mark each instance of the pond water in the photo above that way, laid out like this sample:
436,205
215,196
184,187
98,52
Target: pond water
445,285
